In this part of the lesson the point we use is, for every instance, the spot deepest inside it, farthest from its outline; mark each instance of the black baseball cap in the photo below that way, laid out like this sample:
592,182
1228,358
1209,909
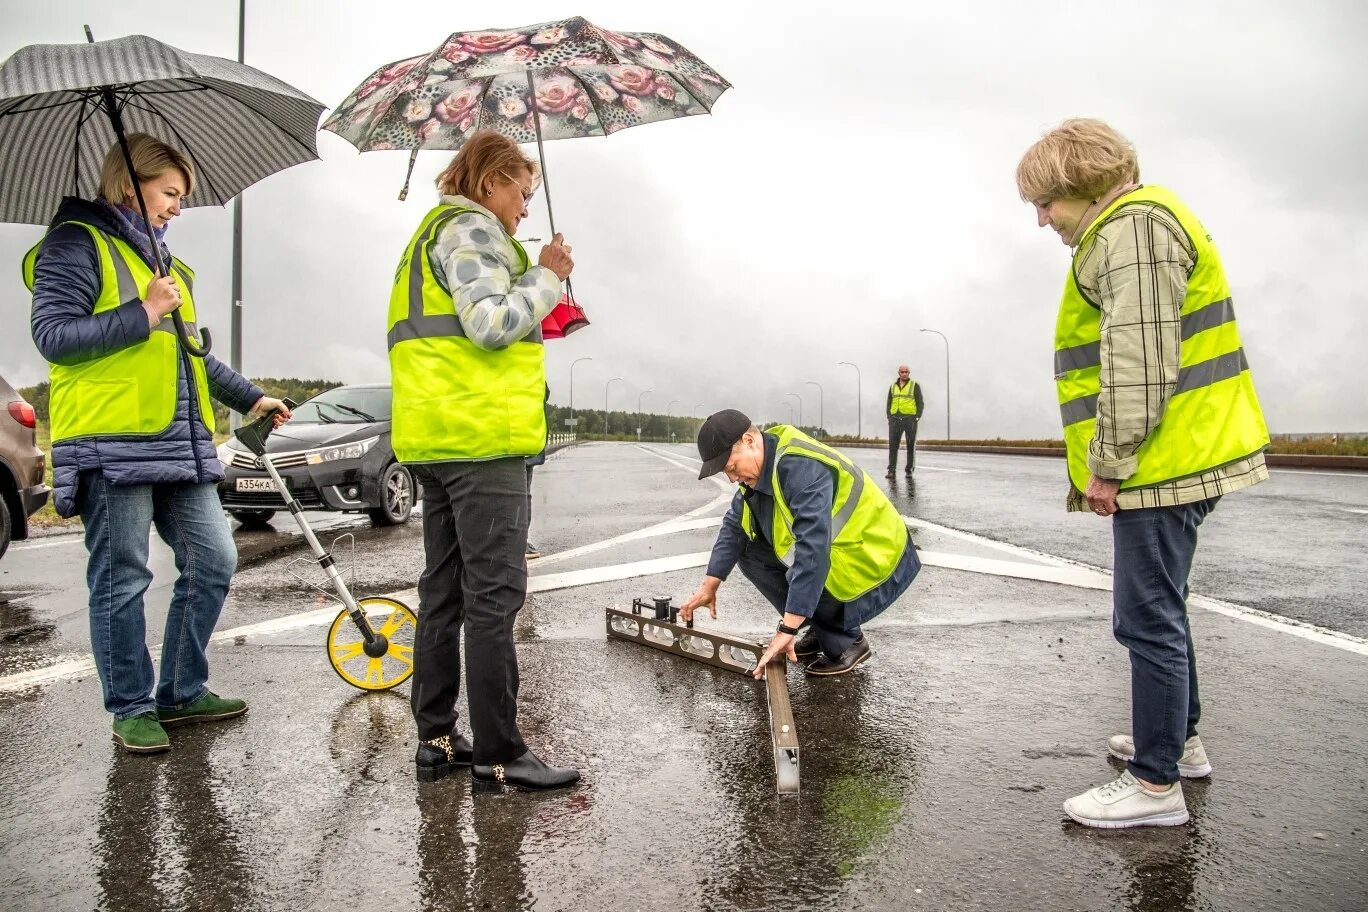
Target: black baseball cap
716,437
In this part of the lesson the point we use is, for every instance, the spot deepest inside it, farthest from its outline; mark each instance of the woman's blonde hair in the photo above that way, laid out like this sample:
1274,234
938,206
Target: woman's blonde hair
151,159
1081,158
483,154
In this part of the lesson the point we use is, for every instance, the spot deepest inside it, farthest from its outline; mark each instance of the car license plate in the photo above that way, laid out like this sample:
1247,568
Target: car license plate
256,484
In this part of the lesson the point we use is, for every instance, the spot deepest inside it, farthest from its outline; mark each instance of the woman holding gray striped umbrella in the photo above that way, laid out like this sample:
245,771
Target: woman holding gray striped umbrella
133,435
131,410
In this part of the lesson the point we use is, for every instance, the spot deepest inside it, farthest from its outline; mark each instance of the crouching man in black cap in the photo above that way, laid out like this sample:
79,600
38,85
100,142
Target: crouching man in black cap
812,532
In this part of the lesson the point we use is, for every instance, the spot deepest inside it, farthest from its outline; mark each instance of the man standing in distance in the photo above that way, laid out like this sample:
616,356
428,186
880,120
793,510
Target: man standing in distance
904,410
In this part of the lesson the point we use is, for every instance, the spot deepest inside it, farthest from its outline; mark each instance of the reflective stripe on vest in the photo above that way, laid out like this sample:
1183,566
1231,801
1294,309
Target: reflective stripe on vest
904,402
1213,416
131,392
868,536
452,399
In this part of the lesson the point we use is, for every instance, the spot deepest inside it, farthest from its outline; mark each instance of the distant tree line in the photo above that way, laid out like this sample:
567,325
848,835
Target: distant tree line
623,425
275,387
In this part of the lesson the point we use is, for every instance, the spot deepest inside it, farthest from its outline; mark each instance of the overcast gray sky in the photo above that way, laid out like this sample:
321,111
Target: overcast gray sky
853,187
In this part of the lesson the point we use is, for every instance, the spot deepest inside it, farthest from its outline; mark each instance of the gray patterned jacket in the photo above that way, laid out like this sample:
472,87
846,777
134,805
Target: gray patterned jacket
496,303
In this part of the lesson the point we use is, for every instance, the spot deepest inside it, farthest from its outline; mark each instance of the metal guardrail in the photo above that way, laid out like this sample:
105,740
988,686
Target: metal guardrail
1274,460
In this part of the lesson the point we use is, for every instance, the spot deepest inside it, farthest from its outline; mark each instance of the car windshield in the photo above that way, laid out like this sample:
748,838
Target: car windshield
346,405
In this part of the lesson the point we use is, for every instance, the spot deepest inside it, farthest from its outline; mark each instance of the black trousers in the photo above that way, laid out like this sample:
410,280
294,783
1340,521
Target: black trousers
768,574
475,536
898,425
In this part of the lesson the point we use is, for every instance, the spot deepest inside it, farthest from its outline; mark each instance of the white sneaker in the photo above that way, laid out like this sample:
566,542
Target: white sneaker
1192,765
1127,803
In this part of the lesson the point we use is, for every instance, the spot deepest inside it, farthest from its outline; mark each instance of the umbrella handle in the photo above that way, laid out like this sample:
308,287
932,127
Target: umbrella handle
116,121
186,341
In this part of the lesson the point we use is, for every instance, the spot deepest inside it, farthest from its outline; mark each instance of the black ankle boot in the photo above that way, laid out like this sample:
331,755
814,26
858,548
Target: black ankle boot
439,757
526,773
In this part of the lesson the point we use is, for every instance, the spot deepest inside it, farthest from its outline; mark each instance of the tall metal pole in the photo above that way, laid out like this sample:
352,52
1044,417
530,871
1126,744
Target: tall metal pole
800,407
235,304
572,384
668,416
639,395
821,404
605,404
859,399
790,408
947,379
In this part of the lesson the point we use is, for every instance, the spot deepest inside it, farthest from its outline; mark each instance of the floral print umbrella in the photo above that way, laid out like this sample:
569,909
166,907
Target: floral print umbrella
586,80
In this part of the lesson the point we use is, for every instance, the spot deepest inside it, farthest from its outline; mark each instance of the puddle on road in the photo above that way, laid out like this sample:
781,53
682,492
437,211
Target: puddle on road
19,625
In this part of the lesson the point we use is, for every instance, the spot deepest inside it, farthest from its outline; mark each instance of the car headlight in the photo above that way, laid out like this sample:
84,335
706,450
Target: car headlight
225,452
354,450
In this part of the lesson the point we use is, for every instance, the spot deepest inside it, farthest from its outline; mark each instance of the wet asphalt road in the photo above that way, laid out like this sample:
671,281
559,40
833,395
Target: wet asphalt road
932,777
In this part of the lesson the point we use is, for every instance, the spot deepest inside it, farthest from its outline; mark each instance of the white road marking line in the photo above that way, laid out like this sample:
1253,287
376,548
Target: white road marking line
931,468
1290,626
1079,577
34,546
1015,550
1324,636
71,669
1319,472
669,527
1352,510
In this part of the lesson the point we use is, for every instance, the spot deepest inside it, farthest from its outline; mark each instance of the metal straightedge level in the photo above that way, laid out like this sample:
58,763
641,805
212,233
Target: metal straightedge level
655,623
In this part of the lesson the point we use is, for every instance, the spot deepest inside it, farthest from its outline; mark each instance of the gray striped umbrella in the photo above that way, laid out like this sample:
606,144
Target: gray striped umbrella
236,124
63,105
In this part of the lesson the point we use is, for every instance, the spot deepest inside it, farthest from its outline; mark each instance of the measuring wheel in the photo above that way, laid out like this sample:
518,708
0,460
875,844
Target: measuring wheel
392,621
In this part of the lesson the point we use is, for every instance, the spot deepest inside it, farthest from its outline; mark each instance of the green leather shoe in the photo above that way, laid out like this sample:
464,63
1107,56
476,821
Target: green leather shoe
141,734
208,708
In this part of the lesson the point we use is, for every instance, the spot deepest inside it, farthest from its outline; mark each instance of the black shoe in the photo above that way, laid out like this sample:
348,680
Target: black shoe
806,646
907,472
854,654
892,473
526,773
533,552
442,756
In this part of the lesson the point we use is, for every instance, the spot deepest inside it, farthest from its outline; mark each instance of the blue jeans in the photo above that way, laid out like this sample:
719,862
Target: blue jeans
767,574
117,525
1152,555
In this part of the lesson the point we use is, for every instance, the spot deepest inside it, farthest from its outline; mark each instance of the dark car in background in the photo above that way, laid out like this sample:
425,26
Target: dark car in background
22,491
334,454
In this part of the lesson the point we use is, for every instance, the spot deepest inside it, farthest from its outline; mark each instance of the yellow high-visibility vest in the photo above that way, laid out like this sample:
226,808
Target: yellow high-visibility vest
868,536
1213,416
904,399
133,391
452,399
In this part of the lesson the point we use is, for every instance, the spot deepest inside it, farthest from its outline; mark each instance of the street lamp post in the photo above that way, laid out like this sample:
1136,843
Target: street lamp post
789,406
639,395
669,410
821,404
858,398
947,378
235,302
800,407
605,404
573,425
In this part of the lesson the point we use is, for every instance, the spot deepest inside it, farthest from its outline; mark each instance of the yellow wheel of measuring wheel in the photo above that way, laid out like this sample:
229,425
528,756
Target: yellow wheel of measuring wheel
347,647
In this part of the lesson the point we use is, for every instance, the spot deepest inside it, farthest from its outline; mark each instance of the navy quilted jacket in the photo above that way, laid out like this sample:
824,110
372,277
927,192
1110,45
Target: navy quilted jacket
66,331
